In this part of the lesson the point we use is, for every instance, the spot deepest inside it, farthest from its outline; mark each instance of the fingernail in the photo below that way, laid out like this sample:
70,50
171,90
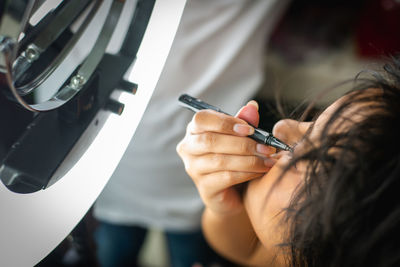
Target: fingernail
269,162
263,149
243,129
274,155
253,103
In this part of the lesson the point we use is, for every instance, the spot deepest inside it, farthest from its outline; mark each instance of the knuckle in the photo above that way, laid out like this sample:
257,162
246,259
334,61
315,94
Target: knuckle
190,171
179,148
199,117
190,127
226,125
218,161
207,140
253,162
246,147
196,138
228,177
183,147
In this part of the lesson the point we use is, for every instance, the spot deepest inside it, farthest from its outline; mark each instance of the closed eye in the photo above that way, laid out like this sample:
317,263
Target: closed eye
301,140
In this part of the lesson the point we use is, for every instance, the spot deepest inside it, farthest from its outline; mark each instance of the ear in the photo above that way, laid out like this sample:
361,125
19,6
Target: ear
249,113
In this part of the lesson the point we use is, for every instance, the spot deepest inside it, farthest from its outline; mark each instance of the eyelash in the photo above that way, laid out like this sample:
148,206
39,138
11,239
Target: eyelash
307,133
294,147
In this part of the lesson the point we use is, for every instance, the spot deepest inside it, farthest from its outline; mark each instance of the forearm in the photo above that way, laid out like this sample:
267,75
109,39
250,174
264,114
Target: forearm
233,237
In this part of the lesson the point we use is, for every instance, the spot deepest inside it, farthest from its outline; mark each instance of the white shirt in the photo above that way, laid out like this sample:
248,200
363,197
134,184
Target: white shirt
218,56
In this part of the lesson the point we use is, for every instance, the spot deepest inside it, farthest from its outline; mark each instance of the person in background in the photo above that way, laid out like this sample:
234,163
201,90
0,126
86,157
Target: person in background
332,201
217,54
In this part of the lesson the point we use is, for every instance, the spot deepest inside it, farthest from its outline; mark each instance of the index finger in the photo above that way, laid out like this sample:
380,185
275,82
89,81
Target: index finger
213,121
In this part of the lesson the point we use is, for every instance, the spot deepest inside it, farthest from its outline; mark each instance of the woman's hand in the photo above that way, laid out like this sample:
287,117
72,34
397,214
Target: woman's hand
218,155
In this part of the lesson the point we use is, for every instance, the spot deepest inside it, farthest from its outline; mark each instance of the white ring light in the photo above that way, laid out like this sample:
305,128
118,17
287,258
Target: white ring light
32,225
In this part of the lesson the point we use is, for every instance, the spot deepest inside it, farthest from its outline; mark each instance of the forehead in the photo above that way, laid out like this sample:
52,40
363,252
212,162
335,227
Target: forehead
353,108
324,117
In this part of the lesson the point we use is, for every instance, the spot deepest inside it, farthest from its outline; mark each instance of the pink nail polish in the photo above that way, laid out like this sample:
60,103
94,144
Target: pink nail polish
243,129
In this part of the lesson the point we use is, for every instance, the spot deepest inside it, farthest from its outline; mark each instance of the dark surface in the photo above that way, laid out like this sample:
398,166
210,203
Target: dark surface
32,146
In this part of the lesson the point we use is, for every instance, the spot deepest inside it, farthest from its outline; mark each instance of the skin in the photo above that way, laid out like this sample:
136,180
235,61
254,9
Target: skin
245,228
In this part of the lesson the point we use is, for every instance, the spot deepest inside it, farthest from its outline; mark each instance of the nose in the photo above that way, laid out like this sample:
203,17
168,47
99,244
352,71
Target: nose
290,131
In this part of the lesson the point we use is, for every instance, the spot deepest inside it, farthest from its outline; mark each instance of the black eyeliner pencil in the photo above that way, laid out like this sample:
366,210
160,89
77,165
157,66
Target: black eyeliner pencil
260,135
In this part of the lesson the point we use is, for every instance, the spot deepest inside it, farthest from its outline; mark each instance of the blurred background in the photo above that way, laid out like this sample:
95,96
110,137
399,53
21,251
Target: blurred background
315,46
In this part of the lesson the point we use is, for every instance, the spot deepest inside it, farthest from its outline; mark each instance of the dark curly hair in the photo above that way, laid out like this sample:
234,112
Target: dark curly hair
347,211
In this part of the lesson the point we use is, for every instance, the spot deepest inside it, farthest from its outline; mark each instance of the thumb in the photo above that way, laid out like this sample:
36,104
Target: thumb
249,113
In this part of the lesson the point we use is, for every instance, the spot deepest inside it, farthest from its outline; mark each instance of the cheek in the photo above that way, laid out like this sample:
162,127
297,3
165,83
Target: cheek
259,197
265,207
